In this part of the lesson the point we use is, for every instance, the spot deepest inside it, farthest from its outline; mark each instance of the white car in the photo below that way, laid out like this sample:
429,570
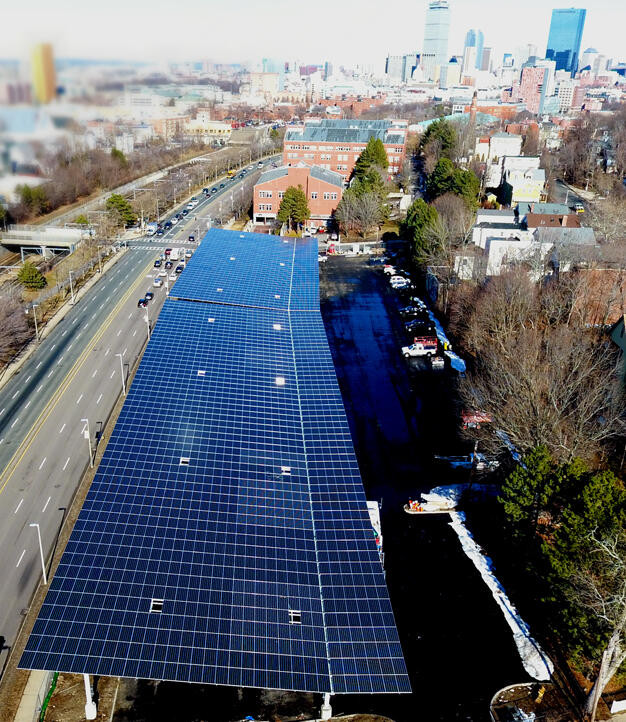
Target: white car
420,348
162,274
395,279
188,253
158,282
322,259
173,276
390,270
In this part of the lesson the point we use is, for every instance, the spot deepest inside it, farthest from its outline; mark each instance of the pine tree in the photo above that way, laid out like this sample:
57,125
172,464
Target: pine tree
293,207
30,276
124,210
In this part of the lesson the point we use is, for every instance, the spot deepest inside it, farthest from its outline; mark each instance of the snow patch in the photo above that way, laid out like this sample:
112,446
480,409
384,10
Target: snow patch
534,659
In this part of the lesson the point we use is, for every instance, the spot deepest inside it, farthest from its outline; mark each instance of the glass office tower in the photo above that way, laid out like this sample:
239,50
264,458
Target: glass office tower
436,30
566,32
474,38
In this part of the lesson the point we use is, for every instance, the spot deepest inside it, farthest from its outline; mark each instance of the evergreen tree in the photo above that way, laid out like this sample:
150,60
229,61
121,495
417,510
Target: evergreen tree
379,154
82,219
442,179
119,157
467,185
30,276
118,204
419,216
529,487
293,207
365,160
442,132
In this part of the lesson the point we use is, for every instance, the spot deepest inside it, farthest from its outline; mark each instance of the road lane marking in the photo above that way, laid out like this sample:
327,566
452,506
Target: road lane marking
134,333
43,462
108,352
130,315
70,346
29,438
99,397
15,422
39,388
1,412
50,374
46,506
38,365
112,374
60,360
64,332
66,463
15,394
28,404
19,561
94,373
61,429
119,332
79,399
28,379
2,440
124,351
53,347
18,506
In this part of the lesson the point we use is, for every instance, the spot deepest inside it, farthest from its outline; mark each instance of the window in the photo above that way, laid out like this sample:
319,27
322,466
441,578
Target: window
265,194
314,195
184,461
292,155
326,196
281,194
295,616
309,156
265,206
156,605
333,196
325,156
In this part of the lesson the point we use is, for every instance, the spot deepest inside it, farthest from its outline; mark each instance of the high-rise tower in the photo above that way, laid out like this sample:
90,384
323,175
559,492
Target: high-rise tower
436,30
474,38
43,75
566,32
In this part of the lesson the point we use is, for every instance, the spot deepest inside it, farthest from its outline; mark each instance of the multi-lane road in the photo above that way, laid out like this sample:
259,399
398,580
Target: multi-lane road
75,374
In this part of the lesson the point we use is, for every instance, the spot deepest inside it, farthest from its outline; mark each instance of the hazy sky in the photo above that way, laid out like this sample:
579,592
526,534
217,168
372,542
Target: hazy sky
343,31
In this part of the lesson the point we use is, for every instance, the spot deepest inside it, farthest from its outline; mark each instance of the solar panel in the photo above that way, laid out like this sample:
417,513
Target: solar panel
225,538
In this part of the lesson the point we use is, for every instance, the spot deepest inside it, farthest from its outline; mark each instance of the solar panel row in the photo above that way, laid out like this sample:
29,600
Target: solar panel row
225,538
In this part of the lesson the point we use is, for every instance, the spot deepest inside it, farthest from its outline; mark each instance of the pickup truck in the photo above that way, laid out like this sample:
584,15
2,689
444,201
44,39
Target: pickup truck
421,346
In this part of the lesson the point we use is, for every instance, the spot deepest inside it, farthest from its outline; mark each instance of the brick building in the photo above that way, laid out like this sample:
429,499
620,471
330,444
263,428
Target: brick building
323,189
354,105
167,128
336,144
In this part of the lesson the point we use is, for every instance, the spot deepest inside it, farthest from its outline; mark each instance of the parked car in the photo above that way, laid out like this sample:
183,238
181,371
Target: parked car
412,310
167,251
420,326
437,363
389,269
173,276
167,225
222,185
168,265
422,346
179,269
192,239
188,253
322,259
158,282
213,190
159,232
142,303
149,295
157,263
174,220
185,212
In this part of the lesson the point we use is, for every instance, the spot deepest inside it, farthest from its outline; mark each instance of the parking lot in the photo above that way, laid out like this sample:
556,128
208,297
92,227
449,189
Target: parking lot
457,646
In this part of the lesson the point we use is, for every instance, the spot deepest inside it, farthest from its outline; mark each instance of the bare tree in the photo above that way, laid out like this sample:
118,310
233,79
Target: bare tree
14,324
600,588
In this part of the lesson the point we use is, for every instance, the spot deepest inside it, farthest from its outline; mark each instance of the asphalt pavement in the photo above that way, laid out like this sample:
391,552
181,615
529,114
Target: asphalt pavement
74,376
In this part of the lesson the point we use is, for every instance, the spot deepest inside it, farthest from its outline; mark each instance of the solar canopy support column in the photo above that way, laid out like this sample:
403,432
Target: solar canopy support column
326,712
91,711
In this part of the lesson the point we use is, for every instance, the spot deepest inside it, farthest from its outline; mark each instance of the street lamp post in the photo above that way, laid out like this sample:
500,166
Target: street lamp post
122,370
72,288
43,563
87,435
148,323
34,306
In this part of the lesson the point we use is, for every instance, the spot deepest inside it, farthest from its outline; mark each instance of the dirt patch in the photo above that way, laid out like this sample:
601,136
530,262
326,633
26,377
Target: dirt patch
67,704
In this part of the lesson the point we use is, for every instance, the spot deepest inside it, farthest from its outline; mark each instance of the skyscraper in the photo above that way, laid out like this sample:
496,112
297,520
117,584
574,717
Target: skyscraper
566,32
436,30
474,38
43,75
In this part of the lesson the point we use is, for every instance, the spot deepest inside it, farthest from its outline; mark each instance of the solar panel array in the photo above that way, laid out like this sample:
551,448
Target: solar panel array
225,538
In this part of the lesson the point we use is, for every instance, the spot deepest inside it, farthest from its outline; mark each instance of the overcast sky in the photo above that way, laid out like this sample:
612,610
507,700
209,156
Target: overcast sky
311,31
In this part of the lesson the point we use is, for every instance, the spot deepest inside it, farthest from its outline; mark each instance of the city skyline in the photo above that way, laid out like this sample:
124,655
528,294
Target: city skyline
145,31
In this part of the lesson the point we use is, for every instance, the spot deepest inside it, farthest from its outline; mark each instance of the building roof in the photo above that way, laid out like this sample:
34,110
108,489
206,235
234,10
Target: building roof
524,207
550,220
225,538
327,176
581,236
347,131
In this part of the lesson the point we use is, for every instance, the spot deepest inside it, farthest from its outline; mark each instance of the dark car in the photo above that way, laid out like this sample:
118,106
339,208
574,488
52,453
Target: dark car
222,185
149,295
168,265
185,211
179,269
157,263
142,303
167,251
413,311
213,190
205,190
159,232
420,327
168,225
192,239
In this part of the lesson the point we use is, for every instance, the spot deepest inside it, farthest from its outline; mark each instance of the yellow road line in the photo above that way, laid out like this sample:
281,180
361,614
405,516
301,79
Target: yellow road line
56,397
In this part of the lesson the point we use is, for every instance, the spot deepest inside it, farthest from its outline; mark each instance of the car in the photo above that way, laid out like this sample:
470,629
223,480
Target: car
188,253
189,206
192,239
205,190
167,225
222,185
437,363
185,211
162,274
167,251
173,276
322,259
389,269
213,190
179,268
579,207
158,282
420,327
333,236
394,278
157,263
142,303
174,220
159,232
149,295
178,216
421,347
306,233
274,165
168,265
411,310
242,175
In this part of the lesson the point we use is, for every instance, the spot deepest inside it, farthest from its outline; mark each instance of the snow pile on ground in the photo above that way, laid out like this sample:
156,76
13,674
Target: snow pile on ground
456,362
534,659
447,497
504,437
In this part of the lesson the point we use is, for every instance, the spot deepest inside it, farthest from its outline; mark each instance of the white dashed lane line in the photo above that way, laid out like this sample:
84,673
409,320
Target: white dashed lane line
19,561
66,463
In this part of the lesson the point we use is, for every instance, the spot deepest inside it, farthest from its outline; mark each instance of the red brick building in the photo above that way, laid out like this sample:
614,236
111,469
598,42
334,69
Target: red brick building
354,105
323,190
336,144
